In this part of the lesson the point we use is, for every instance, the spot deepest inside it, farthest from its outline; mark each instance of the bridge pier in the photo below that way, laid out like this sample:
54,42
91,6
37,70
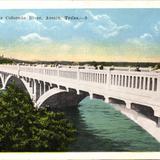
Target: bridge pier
42,88
3,88
51,85
30,83
128,105
58,86
157,114
78,92
45,87
91,95
35,86
34,90
38,93
3,81
32,86
158,122
106,99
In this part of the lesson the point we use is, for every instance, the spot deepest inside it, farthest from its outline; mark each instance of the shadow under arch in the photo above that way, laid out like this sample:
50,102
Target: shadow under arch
58,98
145,110
18,82
117,101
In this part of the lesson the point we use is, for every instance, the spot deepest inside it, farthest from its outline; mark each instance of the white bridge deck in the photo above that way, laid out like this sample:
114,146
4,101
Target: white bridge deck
130,86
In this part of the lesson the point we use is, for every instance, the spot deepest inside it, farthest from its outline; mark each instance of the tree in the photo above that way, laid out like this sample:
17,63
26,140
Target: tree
157,66
25,128
101,67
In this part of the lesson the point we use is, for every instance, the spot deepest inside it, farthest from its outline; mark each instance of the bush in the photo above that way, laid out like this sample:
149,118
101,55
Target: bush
24,128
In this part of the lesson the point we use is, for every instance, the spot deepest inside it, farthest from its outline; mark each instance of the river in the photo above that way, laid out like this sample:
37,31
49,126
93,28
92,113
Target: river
102,128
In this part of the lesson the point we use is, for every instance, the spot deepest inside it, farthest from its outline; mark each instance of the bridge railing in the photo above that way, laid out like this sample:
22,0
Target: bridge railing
136,81
12,69
148,82
88,75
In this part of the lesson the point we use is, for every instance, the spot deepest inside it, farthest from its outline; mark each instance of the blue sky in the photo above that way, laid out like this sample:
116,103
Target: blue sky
101,34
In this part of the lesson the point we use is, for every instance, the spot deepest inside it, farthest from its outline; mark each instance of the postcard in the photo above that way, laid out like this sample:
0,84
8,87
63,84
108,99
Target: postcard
80,80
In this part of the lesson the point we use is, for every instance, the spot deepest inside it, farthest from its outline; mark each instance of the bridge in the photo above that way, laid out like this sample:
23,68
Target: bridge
67,86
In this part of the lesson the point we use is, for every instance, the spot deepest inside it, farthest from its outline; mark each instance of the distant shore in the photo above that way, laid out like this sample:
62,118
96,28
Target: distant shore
9,60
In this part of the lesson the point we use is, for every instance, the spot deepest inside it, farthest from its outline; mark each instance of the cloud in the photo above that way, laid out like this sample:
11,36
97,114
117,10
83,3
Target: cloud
157,27
34,37
31,24
29,14
78,25
142,40
2,21
146,36
13,29
95,27
104,26
97,17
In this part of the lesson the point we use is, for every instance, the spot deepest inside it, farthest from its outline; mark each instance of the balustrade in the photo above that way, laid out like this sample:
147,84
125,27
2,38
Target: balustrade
146,81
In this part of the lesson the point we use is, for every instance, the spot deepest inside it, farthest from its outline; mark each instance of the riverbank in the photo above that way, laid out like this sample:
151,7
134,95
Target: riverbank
147,124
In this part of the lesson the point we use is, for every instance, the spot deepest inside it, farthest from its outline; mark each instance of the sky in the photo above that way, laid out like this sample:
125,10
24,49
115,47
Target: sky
85,35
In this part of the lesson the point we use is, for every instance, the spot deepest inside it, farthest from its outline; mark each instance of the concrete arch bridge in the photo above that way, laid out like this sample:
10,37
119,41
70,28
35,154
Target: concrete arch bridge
67,86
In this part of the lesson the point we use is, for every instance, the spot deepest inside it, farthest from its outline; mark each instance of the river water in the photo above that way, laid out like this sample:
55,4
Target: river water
102,128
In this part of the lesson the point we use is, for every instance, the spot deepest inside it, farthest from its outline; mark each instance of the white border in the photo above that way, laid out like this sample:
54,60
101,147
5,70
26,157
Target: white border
81,155
76,4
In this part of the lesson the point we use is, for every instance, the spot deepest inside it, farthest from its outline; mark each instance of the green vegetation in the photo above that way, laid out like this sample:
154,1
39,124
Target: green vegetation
157,66
6,60
101,67
25,128
121,64
94,63
90,63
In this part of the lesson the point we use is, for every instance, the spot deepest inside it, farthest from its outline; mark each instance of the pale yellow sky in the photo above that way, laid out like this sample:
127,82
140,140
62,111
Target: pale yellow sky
83,52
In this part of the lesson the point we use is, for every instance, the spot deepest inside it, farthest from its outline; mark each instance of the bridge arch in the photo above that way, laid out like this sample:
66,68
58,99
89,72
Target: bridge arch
1,81
58,98
7,80
47,95
27,87
19,82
